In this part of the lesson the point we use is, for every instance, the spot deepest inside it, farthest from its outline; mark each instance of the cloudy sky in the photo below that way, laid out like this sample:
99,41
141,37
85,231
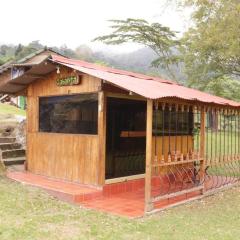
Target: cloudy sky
75,22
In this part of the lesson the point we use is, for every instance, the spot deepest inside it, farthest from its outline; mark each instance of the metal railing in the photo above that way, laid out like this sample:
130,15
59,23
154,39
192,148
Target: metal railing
207,160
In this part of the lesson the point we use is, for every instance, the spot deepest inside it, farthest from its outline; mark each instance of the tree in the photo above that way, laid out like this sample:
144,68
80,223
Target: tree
23,51
209,51
159,38
84,52
225,87
211,48
3,50
64,50
18,49
36,45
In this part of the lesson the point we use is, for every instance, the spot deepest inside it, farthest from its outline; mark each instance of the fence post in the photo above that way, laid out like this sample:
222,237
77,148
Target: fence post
202,146
101,137
148,174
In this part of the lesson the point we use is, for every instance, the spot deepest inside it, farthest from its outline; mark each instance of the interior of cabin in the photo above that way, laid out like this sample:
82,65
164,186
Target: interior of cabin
173,135
125,137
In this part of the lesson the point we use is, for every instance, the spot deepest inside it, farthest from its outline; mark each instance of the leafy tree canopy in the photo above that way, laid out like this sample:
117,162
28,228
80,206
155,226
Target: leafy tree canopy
225,87
211,48
159,38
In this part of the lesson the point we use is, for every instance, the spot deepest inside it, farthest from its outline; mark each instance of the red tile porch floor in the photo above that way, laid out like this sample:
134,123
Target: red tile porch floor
124,199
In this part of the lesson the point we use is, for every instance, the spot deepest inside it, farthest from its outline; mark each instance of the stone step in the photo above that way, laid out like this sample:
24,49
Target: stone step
9,146
13,153
14,161
7,139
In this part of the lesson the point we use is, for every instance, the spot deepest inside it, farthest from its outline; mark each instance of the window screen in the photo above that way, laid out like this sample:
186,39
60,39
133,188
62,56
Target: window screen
76,114
175,123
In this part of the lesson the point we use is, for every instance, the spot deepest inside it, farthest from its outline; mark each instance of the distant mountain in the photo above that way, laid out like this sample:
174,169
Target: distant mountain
137,61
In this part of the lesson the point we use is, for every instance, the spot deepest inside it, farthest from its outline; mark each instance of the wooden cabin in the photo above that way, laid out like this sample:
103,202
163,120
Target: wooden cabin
97,125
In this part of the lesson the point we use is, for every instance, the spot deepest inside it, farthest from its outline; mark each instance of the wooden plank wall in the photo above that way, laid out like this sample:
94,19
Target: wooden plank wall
173,139
64,156
73,157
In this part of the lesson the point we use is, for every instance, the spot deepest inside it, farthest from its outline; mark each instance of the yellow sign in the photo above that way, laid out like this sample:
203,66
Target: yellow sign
68,81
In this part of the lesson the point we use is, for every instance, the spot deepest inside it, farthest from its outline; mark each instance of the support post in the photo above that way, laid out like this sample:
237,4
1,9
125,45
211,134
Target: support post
101,138
202,145
148,174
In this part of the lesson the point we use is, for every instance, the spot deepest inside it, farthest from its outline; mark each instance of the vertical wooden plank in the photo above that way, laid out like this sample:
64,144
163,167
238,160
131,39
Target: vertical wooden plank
101,137
148,174
27,137
202,144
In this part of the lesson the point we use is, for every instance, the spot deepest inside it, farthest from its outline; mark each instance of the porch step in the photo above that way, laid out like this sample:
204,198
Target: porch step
14,161
9,146
75,197
14,153
7,139
11,152
67,191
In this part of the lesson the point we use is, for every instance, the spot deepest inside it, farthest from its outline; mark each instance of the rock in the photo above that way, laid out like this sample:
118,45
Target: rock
20,133
8,131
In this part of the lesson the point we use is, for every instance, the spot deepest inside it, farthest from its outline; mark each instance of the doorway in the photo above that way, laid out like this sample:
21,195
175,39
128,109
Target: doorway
126,137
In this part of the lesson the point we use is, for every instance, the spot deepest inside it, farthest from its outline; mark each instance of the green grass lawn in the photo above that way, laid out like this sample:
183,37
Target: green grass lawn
28,213
220,143
8,109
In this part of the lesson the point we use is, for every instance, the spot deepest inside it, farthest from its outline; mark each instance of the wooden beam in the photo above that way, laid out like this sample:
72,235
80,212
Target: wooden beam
125,96
37,76
179,193
124,179
101,137
193,103
202,144
17,84
148,174
177,162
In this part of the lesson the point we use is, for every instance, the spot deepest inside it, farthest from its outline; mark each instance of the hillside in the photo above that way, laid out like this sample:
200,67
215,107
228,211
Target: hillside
137,61
6,109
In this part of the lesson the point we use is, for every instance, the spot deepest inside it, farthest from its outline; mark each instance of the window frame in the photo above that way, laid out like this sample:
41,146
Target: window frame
62,95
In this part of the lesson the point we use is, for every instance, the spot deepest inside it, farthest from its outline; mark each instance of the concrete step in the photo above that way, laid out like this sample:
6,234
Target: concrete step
14,161
7,139
9,146
13,153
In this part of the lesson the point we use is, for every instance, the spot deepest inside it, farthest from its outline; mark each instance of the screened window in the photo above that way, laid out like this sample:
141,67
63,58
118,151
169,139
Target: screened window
76,114
172,123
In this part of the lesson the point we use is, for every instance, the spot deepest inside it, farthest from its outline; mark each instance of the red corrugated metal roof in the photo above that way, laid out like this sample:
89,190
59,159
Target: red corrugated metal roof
146,86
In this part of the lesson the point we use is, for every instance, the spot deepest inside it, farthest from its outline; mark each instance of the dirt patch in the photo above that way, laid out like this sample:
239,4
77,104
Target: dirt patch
2,168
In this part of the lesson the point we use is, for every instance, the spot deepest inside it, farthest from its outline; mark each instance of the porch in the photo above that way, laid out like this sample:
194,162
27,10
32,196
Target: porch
124,199
192,149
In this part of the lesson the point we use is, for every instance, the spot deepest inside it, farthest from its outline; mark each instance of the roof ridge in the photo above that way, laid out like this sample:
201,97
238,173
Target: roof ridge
35,53
116,71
